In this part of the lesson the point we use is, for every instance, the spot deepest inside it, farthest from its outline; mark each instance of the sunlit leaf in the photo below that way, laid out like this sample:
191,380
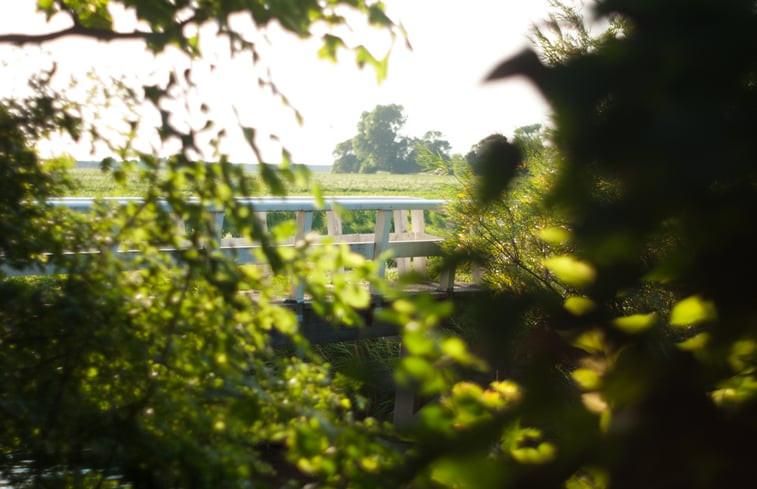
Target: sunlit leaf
586,378
356,296
696,342
735,391
571,271
417,342
590,341
635,323
578,306
556,236
331,45
594,402
528,447
468,471
456,349
693,310
743,355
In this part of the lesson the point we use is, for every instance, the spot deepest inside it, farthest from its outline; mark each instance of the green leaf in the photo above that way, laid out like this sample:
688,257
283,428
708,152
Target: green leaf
194,44
284,230
414,369
556,236
331,45
526,447
466,471
456,349
591,341
578,306
272,178
696,342
571,271
356,296
635,323
693,310
416,342
46,6
586,378
363,56
318,195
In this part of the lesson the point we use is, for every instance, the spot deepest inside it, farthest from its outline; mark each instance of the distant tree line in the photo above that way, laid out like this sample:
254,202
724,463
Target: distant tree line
379,146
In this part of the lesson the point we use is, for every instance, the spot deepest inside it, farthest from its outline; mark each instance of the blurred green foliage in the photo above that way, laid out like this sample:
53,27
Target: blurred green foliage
631,333
160,370
617,347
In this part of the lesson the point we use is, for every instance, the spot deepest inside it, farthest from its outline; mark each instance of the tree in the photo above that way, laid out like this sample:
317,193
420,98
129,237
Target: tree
345,159
655,184
529,139
566,33
378,143
504,236
379,146
161,371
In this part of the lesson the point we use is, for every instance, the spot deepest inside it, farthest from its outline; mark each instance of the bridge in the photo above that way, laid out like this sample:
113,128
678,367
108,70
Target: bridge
399,228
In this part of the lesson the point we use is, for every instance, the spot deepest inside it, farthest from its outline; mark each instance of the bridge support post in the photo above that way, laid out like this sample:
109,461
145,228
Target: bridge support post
333,223
304,226
400,229
404,403
418,225
381,239
262,218
447,280
218,224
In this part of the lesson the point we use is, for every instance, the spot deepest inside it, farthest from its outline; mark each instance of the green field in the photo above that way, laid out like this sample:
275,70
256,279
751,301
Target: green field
96,183
92,182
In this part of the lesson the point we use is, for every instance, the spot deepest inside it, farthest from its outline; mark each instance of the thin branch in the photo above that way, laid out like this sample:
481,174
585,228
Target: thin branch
76,30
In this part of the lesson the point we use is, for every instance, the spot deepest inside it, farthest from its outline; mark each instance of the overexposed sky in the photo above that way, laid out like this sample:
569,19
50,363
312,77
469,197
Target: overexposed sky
439,82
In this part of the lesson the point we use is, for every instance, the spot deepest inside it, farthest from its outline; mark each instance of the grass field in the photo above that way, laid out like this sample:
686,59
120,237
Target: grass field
95,183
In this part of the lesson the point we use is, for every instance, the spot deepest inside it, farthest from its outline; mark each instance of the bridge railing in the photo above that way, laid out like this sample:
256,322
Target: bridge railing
409,243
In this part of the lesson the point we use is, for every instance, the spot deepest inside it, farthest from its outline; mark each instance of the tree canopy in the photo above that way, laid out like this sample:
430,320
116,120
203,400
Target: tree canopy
161,370
379,146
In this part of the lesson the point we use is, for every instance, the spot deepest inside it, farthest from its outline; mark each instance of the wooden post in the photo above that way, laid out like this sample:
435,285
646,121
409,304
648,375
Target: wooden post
218,224
334,229
477,273
333,223
262,218
419,229
404,402
381,239
304,225
181,227
447,280
400,228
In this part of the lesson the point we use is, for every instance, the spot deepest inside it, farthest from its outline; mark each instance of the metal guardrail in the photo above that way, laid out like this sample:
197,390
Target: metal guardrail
409,244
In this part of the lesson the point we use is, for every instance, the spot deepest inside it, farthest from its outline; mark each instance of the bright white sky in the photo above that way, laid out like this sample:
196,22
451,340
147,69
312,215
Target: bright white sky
439,83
